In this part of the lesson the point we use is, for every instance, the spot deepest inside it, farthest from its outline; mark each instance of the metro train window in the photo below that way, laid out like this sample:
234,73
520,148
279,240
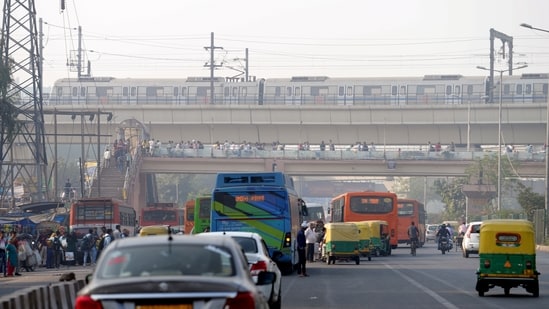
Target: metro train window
175,91
506,89
235,91
82,91
183,91
278,91
226,91
59,91
470,89
528,89
371,90
288,91
519,89
297,91
74,91
457,90
349,90
125,91
448,90
133,91
341,91
402,90
155,91
394,90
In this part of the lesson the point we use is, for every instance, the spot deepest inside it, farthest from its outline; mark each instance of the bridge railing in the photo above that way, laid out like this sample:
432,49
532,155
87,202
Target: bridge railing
211,152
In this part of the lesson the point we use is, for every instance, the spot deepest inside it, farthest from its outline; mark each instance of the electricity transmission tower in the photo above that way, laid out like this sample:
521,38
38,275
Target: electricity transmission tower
23,159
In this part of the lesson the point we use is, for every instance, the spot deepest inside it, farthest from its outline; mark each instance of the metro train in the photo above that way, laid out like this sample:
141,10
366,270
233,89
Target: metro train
301,90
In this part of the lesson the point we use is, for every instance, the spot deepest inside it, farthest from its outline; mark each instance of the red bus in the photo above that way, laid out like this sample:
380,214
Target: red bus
410,210
161,214
98,212
367,205
189,216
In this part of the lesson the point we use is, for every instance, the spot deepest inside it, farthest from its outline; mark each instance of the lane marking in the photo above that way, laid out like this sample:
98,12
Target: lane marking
443,301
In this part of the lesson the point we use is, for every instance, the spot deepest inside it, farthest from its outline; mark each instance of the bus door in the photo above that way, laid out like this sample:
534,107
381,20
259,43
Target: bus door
398,94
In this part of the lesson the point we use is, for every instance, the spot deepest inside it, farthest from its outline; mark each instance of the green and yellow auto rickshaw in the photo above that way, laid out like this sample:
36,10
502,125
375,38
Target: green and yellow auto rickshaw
380,240
341,242
364,239
507,252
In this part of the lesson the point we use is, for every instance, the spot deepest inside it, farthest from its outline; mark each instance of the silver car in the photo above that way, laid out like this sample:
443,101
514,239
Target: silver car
173,271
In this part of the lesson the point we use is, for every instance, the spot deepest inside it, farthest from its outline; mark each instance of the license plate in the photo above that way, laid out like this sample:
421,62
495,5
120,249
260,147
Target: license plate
185,306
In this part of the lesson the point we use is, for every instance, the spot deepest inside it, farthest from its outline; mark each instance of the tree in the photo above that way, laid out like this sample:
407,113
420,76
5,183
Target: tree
451,195
530,201
8,111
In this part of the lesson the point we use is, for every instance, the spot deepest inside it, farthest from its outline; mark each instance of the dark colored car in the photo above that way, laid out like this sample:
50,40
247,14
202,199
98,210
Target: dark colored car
179,271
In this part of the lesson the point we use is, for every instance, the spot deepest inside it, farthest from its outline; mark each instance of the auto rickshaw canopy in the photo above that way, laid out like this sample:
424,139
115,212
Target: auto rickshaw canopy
341,231
507,236
154,230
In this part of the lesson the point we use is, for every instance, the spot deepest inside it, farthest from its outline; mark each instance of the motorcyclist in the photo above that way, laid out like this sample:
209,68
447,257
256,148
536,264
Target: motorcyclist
442,232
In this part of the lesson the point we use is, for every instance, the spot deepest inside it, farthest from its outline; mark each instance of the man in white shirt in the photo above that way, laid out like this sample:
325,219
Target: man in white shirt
311,238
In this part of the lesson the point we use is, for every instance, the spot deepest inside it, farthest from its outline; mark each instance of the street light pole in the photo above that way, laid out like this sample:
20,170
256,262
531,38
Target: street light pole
546,147
499,126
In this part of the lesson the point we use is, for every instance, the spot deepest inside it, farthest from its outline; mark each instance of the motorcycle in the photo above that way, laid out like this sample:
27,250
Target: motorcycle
445,245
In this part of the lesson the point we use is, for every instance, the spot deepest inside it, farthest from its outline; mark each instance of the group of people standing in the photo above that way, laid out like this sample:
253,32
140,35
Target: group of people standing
53,249
9,260
309,237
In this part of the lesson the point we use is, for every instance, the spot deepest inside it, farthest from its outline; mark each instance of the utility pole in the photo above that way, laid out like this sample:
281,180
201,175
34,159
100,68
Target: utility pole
212,65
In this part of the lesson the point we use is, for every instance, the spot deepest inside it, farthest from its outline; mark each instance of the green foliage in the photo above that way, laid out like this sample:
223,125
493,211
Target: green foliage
452,196
414,188
485,171
182,187
8,112
529,200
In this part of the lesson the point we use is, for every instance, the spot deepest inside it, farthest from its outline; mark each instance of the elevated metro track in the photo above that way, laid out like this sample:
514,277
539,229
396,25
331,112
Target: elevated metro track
291,124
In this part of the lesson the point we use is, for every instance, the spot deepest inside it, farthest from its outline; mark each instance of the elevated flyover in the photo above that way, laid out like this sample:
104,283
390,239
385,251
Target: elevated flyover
390,167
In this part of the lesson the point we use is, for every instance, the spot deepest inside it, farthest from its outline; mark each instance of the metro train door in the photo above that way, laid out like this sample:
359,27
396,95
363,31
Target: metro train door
398,94
293,95
345,95
452,94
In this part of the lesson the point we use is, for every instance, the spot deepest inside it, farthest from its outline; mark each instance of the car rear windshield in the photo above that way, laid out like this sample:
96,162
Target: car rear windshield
249,245
166,260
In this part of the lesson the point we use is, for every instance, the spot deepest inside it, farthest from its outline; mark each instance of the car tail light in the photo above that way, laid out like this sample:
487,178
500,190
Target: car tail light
486,263
86,302
258,267
241,300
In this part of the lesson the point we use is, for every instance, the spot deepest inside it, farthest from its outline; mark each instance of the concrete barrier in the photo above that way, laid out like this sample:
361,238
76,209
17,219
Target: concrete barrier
54,296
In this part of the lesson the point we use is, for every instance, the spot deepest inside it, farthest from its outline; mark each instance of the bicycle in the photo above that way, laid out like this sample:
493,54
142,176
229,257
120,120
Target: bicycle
413,246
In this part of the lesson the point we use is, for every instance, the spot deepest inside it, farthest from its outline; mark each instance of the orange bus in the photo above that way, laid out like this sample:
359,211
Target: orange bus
189,216
161,214
410,210
98,212
367,205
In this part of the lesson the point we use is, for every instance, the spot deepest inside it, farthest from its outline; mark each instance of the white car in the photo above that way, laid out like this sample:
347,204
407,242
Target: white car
431,232
471,239
259,260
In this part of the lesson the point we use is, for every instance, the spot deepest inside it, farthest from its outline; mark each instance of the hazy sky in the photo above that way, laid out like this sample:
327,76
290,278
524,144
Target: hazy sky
353,38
